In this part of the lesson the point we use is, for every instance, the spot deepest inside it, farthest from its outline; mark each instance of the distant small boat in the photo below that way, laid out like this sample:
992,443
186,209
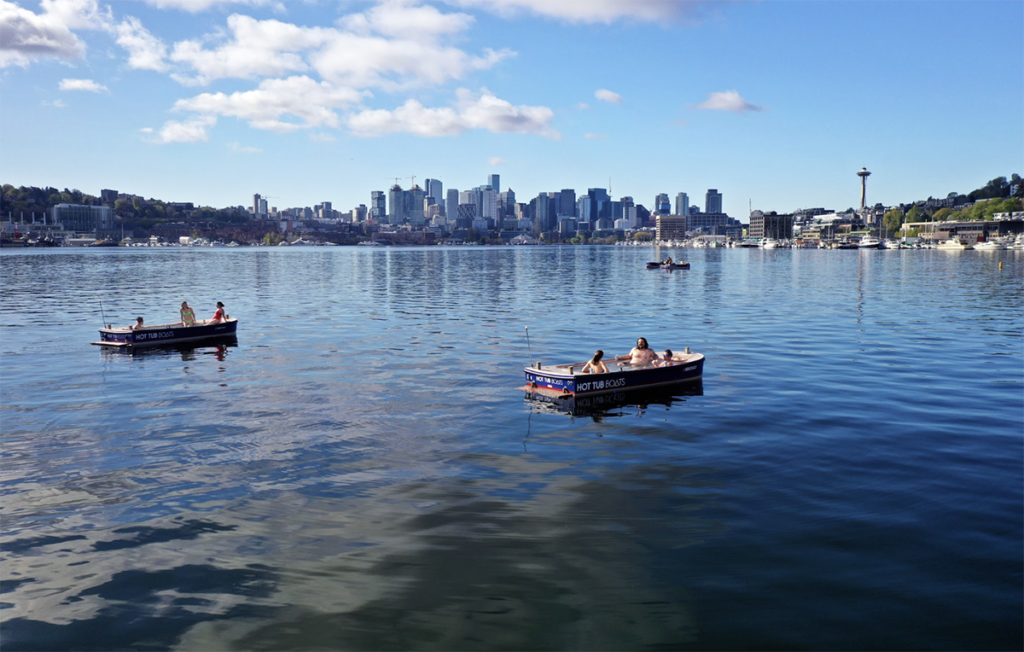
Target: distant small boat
622,376
166,334
989,245
657,265
869,242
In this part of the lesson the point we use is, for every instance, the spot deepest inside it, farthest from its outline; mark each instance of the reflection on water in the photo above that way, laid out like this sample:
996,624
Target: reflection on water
358,471
614,404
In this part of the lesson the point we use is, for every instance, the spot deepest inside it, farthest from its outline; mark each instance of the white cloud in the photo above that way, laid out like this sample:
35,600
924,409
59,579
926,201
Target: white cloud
25,36
57,104
486,112
597,11
606,95
591,136
727,101
259,48
196,6
582,106
312,103
400,20
189,131
145,51
242,149
81,85
495,161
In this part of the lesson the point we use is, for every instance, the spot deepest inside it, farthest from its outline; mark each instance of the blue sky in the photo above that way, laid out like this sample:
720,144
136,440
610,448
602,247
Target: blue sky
775,104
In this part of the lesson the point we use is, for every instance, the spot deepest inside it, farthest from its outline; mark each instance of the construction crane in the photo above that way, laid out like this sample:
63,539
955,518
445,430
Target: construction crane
412,180
397,179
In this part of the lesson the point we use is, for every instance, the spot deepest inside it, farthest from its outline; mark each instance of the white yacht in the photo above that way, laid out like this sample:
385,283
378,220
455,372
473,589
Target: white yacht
869,242
769,243
953,244
990,245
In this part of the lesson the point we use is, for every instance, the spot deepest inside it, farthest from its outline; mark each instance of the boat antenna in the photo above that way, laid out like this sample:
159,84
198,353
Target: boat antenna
102,312
528,345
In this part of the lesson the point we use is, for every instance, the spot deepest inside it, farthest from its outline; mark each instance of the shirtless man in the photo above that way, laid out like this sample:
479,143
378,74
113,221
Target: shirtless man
641,354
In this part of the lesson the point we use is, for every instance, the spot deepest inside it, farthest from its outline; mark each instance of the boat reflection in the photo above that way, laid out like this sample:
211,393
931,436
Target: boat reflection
188,351
616,404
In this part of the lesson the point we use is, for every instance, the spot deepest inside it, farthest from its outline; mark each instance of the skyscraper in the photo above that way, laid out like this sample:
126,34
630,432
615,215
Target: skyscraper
682,204
451,204
662,206
433,188
713,201
567,202
414,205
396,205
494,181
378,205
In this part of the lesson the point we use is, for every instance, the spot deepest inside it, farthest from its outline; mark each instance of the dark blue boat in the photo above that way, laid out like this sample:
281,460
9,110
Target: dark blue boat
656,265
167,334
621,376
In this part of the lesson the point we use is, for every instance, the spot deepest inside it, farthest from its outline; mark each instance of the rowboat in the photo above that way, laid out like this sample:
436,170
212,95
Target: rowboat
564,379
657,265
167,334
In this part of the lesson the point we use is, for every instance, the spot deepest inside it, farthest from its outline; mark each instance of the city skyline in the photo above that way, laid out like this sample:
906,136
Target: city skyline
775,105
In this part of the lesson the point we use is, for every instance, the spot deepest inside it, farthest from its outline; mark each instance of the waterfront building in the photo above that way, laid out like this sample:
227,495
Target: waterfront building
770,225
83,219
671,227
713,201
682,204
108,196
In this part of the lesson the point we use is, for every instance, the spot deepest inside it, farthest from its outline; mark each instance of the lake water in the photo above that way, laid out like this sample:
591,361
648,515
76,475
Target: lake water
360,472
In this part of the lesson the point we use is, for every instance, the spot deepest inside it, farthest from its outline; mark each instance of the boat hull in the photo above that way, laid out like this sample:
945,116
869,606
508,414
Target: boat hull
167,334
562,379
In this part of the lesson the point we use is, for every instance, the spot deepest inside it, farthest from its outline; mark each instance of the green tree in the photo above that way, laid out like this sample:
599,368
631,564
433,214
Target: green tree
915,214
941,215
643,236
892,220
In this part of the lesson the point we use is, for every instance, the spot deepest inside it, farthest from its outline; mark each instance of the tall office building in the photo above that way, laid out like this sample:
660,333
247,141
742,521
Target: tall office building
713,201
507,202
451,204
256,205
396,205
414,205
682,204
567,202
433,188
378,205
494,181
662,206
543,212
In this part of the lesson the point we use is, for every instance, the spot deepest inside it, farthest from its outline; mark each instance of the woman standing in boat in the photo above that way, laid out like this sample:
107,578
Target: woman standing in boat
220,315
188,316
641,353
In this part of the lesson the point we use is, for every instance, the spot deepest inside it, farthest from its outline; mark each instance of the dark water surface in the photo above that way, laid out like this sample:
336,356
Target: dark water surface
360,472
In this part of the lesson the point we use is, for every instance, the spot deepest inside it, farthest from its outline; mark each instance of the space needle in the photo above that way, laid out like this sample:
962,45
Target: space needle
863,174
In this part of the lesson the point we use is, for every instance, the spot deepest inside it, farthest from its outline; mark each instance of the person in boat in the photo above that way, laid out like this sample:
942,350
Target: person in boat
666,358
188,316
596,364
641,353
220,315
138,324
668,261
